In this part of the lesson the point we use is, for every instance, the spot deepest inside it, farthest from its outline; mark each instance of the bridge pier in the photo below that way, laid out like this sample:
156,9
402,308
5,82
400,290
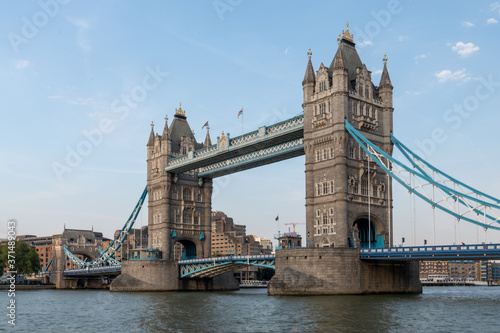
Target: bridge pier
163,275
333,271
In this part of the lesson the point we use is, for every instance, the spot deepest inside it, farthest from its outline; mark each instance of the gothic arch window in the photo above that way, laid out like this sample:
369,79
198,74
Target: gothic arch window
186,194
187,216
354,108
322,108
351,152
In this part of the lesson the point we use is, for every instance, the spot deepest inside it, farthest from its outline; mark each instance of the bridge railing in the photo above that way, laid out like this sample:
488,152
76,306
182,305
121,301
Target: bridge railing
92,270
227,258
263,133
449,251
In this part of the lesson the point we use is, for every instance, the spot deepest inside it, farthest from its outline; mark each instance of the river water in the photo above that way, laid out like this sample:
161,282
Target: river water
438,309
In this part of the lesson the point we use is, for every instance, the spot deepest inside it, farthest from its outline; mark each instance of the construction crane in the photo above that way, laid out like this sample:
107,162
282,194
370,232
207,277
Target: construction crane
294,224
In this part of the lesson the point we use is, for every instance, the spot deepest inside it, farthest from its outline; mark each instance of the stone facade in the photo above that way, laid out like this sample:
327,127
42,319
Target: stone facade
179,206
331,271
341,183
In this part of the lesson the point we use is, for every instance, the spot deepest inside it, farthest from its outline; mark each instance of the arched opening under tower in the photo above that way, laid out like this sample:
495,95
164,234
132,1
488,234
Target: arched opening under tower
185,249
367,234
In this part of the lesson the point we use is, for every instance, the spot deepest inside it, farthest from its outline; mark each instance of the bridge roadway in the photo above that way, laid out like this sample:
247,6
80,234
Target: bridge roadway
435,252
210,267
94,271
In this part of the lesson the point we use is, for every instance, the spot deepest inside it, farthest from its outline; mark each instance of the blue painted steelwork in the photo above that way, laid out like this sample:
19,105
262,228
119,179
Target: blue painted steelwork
210,267
268,155
113,261
260,140
117,242
48,265
374,150
437,252
102,270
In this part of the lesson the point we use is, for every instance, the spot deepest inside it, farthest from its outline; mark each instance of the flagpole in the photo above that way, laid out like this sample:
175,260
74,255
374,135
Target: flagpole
242,115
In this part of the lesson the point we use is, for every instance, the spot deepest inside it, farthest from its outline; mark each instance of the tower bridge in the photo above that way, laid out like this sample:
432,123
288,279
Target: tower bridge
345,134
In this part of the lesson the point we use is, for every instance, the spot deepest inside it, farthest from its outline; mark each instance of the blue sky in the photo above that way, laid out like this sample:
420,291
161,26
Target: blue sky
67,68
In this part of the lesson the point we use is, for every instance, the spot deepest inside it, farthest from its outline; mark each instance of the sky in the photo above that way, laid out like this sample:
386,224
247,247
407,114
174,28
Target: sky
83,80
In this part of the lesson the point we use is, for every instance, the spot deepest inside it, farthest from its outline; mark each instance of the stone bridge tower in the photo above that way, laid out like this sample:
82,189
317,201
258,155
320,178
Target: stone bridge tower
348,197
78,242
179,205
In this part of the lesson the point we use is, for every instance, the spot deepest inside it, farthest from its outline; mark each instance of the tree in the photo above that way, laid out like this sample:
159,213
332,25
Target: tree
26,260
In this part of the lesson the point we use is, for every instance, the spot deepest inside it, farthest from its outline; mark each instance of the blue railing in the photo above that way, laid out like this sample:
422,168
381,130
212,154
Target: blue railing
93,270
435,252
228,259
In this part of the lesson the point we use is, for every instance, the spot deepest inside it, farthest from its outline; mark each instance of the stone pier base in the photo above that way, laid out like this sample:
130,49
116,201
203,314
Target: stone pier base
334,271
161,275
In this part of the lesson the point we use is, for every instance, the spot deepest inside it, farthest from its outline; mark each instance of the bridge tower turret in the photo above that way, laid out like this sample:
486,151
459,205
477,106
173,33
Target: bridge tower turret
347,199
179,205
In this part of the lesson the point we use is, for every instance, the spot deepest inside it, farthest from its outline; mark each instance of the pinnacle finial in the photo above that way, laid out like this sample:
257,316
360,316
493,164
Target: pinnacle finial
346,35
152,125
179,111
309,53
385,59
166,118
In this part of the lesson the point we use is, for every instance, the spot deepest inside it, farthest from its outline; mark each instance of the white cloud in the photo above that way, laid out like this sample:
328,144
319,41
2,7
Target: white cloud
414,92
419,57
447,75
494,6
21,64
286,50
376,72
401,38
365,43
465,49
467,24
491,21
83,26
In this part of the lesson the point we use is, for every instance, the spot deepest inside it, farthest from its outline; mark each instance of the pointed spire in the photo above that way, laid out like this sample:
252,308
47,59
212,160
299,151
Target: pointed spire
385,80
338,61
309,77
151,140
207,142
165,129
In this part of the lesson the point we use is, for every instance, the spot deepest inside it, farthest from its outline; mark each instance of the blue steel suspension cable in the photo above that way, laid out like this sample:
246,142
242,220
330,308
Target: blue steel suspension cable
363,142
402,147
112,248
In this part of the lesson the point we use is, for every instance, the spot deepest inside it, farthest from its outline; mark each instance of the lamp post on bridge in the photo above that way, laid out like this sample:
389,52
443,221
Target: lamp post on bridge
308,234
402,241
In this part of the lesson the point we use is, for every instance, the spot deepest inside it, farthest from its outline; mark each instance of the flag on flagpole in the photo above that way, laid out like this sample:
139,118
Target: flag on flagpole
240,112
206,124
